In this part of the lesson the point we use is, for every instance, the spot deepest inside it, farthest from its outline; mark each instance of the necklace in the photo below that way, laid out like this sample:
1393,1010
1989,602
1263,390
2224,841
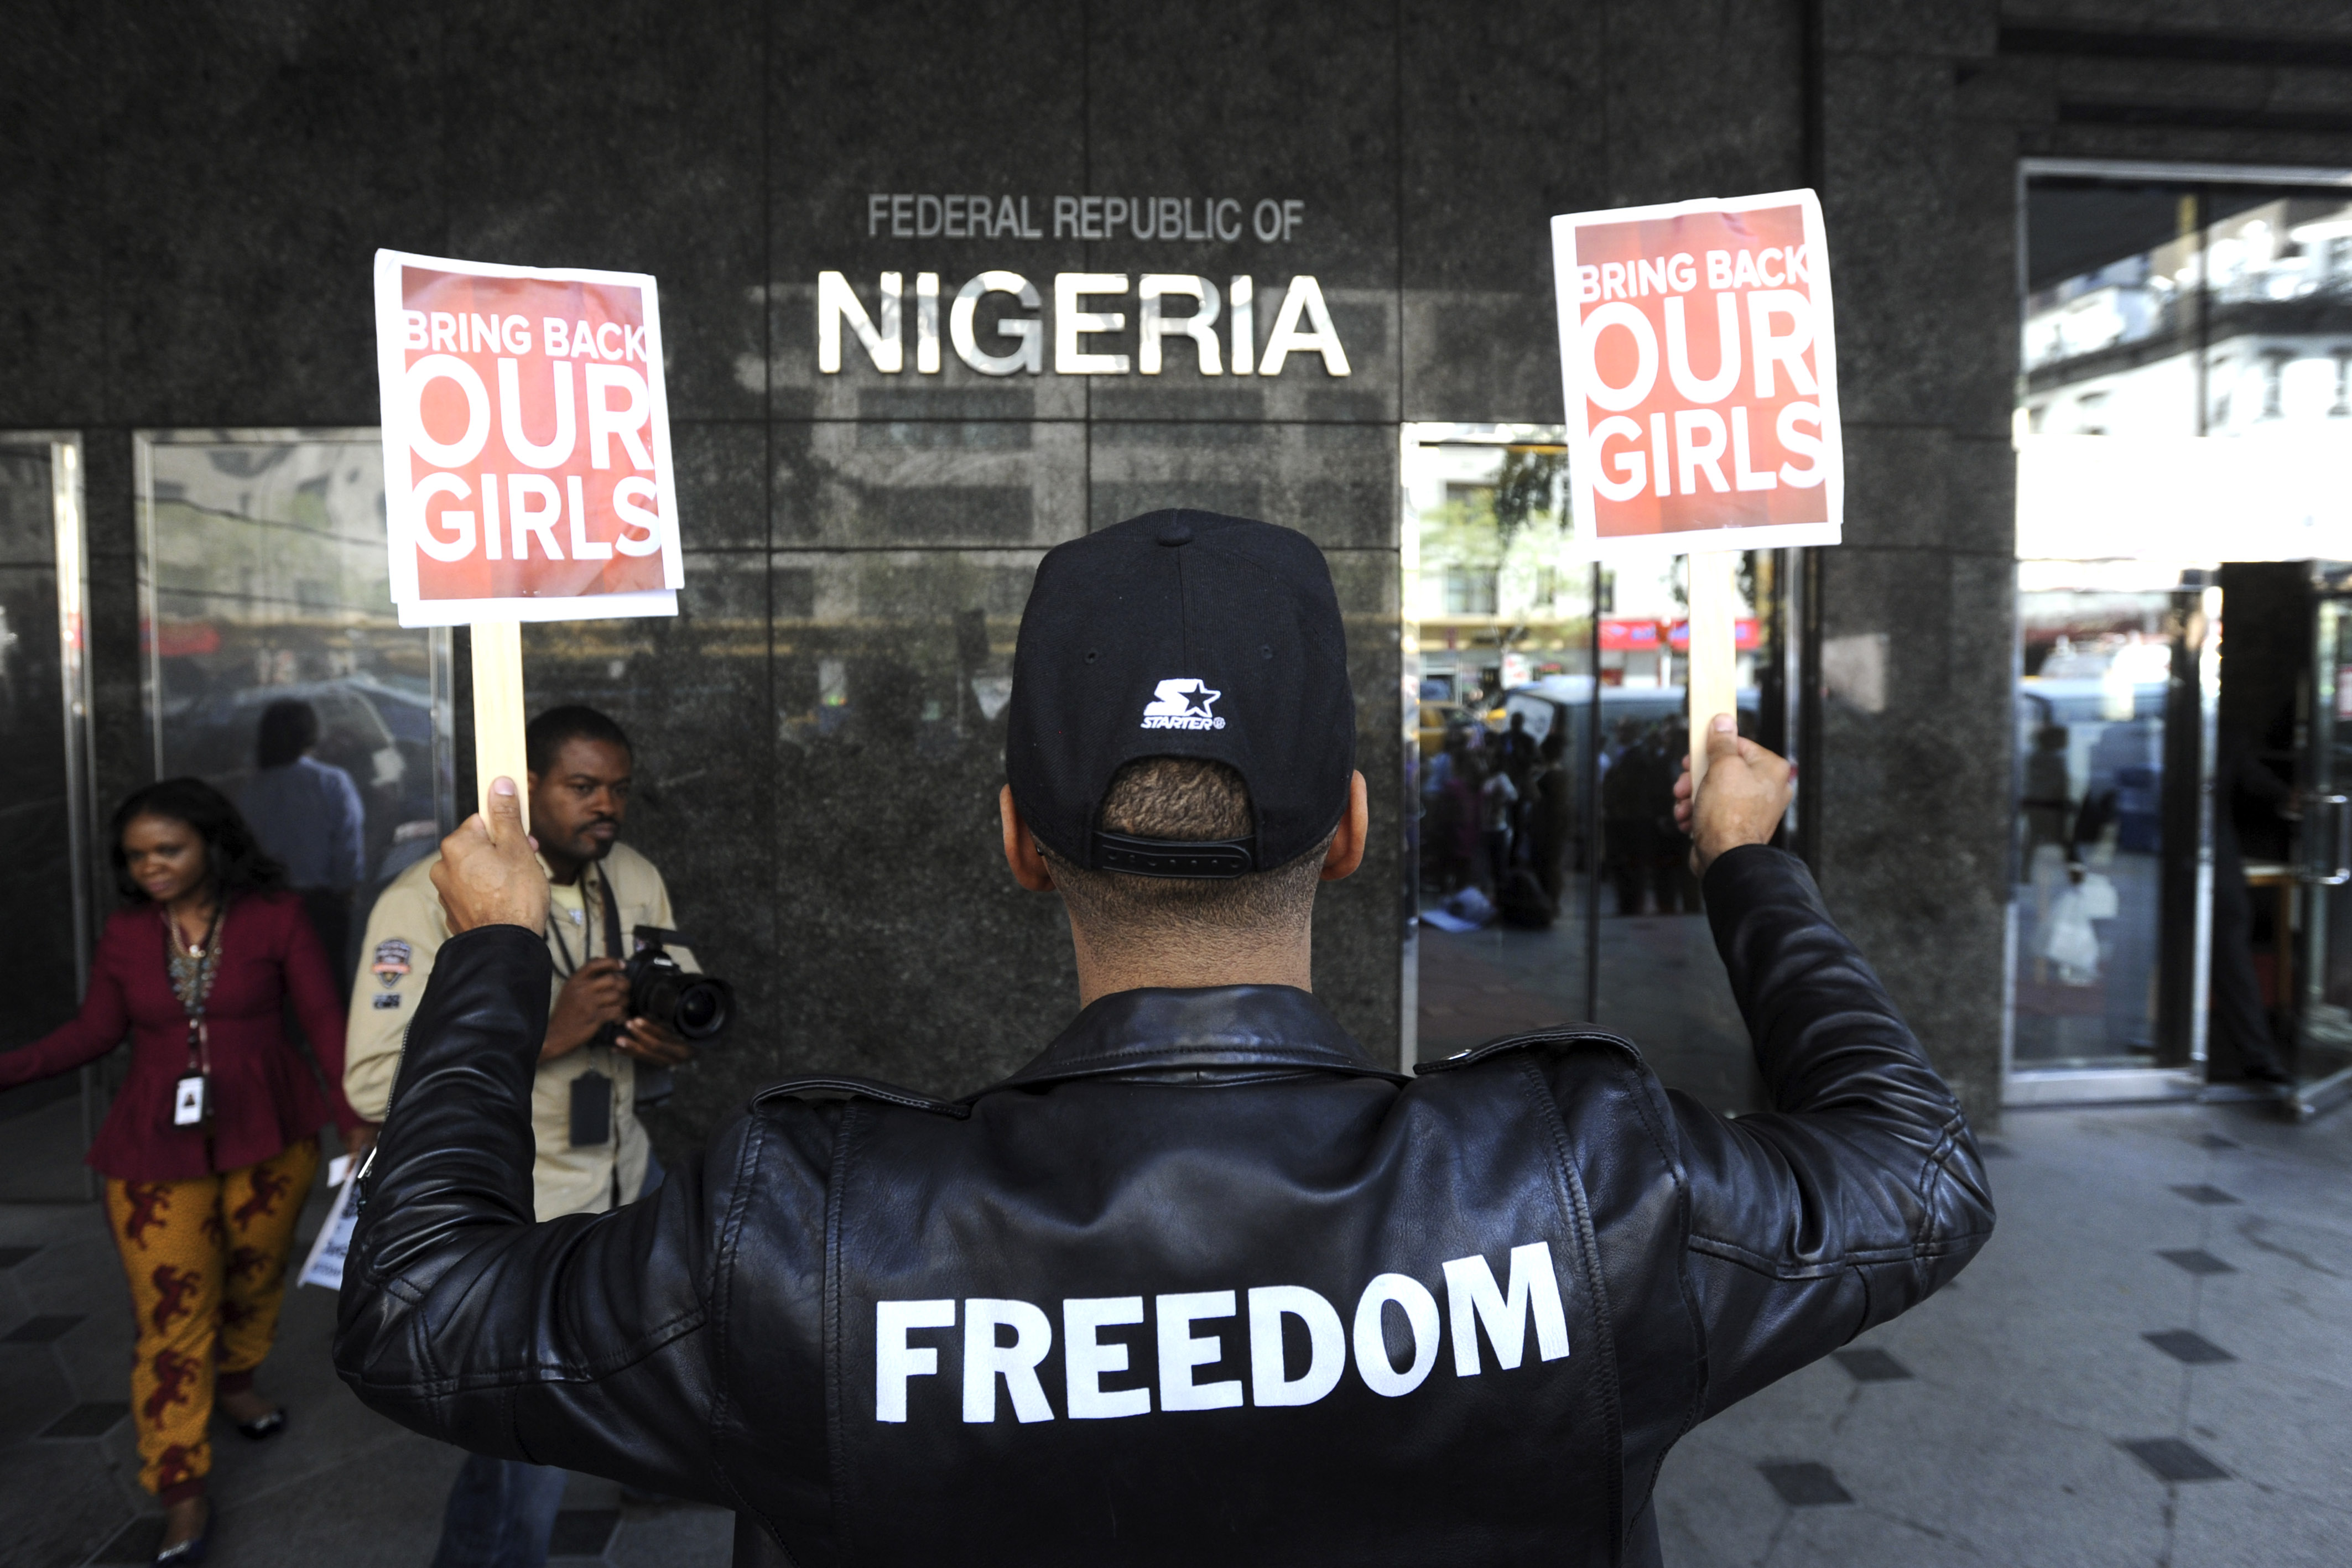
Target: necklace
192,971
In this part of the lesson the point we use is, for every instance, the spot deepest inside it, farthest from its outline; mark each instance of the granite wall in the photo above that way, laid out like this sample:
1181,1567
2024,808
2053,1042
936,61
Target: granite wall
194,192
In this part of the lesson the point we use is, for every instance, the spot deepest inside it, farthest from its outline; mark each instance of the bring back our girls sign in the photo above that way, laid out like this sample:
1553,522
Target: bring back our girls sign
526,443
1701,372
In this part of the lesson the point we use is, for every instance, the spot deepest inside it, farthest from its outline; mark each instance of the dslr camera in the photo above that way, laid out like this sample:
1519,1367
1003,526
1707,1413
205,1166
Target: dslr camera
697,1006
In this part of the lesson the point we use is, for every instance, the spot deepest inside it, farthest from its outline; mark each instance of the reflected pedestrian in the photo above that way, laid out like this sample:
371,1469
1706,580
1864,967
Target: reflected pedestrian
307,816
1628,820
1671,880
212,1143
1456,824
1551,814
1498,801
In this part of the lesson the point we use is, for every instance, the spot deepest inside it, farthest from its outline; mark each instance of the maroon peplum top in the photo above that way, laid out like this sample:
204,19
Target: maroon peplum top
264,1096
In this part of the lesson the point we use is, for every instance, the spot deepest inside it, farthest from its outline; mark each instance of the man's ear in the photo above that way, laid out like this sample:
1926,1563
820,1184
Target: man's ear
1347,851
1021,854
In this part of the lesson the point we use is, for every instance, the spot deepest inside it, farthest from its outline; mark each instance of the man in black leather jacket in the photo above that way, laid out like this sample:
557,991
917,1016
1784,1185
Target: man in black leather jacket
1203,1281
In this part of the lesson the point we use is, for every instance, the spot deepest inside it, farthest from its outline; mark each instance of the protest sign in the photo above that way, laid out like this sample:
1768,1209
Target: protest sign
324,1266
526,461
1699,357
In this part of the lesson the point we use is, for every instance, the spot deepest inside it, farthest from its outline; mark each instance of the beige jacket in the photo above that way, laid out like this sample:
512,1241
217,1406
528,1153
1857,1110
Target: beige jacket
404,933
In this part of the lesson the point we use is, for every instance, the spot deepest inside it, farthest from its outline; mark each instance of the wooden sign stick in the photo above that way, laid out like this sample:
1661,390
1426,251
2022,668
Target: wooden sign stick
1713,681
497,713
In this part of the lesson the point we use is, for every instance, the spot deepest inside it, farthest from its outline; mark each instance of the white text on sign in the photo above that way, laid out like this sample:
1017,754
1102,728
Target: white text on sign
1178,317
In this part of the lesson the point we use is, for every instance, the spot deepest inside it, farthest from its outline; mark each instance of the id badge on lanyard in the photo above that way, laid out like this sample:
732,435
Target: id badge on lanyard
192,1097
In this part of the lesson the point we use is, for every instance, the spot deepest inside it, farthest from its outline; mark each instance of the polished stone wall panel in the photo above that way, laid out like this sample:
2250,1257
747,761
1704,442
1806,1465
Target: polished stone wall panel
52,249
1306,109
2306,19
621,137
721,481
1884,205
1703,98
888,764
895,483
1915,796
1962,29
1336,483
258,156
1358,922
694,694
935,97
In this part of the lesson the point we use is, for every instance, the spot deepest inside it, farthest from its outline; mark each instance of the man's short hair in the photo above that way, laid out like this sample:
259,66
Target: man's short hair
289,727
545,738
1190,799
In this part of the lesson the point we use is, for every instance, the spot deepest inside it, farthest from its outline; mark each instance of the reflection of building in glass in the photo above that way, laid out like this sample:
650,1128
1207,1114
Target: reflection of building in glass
267,576
2257,306
1503,594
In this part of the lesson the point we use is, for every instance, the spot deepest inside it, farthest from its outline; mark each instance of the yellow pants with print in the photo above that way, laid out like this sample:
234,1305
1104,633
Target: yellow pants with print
207,1259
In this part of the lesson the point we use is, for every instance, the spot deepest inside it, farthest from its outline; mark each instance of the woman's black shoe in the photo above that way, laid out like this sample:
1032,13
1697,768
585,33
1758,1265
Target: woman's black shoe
188,1552
269,1426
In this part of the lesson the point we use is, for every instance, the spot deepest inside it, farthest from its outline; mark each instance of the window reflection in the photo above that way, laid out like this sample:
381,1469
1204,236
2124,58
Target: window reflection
2156,308
2091,730
274,651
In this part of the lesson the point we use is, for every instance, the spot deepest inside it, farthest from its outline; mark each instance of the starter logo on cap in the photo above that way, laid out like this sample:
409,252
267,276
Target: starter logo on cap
1181,704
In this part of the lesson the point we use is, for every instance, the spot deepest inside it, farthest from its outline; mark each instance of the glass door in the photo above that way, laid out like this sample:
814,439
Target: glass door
2111,840
272,643
44,808
2322,1067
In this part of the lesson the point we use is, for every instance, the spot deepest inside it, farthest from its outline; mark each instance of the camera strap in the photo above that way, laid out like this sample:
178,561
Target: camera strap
612,917
566,968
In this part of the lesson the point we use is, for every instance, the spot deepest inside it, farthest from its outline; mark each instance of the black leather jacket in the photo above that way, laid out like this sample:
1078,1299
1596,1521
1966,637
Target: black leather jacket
1201,1283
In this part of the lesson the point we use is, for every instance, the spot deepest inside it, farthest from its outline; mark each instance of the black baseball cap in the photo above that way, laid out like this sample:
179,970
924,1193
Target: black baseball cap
1183,634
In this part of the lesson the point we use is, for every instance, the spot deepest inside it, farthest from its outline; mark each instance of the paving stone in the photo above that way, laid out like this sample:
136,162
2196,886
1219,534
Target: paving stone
584,1531
2205,1193
91,1420
43,1329
2187,1346
1805,1485
2171,1459
2197,1261
135,1541
1871,1367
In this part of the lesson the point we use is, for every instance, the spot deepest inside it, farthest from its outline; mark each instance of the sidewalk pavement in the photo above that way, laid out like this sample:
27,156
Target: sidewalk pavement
2145,1368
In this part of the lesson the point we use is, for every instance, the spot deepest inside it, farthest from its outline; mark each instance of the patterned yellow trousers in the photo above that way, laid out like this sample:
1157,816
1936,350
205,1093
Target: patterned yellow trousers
207,1259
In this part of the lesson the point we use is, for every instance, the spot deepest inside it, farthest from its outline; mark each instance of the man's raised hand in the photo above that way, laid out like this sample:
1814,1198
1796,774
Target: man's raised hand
487,873
1743,801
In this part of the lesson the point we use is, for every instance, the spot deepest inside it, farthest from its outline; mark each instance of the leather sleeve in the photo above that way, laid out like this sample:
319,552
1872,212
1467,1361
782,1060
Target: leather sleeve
584,1341
1861,1192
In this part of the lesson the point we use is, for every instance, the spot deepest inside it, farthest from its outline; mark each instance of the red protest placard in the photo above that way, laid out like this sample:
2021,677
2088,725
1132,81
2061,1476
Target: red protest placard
1697,350
526,443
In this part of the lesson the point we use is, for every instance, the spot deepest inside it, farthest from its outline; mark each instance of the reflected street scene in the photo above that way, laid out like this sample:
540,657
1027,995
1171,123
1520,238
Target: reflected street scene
278,670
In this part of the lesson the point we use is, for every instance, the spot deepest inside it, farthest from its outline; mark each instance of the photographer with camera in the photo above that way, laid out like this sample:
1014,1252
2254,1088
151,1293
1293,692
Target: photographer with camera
601,1054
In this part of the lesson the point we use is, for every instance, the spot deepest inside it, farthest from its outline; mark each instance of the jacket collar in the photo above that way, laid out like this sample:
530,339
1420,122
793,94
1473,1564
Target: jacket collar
1215,1030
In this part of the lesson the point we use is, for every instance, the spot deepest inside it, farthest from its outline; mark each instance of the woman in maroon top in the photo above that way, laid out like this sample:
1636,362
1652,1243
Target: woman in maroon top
213,1142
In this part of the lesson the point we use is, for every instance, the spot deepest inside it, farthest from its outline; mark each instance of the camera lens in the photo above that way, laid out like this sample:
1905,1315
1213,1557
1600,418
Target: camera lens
700,1011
